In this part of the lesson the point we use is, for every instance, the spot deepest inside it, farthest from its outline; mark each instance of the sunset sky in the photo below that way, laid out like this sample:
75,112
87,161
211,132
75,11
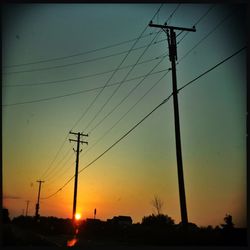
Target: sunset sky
44,56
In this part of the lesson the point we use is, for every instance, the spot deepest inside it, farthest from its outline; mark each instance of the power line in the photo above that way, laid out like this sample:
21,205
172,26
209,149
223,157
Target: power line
105,117
100,138
184,55
105,84
217,65
118,87
76,78
77,54
62,173
133,88
96,97
206,36
125,78
198,21
75,93
164,101
53,160
109,148
140,99
122,100
53,170
129,110
170,17
81,62
110,129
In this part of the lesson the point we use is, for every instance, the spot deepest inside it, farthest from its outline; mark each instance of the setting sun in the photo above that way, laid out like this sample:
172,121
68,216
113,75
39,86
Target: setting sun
78,216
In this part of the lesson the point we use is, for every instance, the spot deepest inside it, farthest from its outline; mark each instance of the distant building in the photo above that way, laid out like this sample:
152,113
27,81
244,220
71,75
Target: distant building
121,220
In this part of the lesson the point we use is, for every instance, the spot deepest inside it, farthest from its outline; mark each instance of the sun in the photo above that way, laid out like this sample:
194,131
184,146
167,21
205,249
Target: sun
78,216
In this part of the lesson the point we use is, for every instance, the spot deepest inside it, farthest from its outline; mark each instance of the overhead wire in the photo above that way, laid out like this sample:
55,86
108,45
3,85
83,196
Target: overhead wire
76,92
131,91
129,110
54,158
131,107
153,68
78,54
45,177
110,147
100,92
124,98
217,65
126,113
179,61
137,84
77,63
60,148
207,35
171,15
168,18
110,129
75,78
118,87
198,21
144,118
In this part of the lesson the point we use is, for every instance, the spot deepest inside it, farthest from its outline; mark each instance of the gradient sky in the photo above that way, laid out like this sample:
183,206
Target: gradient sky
125,180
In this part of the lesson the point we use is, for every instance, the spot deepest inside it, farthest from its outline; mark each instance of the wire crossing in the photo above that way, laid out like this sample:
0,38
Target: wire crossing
75,78
86,110
144,118
109,148
80,62
79,92
77,54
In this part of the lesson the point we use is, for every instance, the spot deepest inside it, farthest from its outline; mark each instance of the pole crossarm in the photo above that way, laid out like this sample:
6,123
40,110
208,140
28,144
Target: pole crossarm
70,140
165,26
73,133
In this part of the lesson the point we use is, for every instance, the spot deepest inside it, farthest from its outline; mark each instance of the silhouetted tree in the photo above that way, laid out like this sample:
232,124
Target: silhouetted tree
157,220
229,222
157,204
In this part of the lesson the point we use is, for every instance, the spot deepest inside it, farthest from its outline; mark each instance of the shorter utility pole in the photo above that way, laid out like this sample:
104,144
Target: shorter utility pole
77,162
38,199
94,213
27,208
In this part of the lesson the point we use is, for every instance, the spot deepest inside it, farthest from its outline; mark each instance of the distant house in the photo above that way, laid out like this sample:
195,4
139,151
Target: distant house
121,220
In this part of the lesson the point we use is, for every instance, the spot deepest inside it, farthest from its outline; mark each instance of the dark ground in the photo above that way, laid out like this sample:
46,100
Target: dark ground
113,235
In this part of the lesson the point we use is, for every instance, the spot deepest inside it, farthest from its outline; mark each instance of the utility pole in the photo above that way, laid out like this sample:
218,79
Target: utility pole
173,57
27,208
38,199
76,171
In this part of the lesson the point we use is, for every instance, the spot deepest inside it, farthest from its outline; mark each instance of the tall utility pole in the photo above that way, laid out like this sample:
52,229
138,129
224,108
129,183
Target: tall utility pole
77,162
38,199
26,214
173,57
